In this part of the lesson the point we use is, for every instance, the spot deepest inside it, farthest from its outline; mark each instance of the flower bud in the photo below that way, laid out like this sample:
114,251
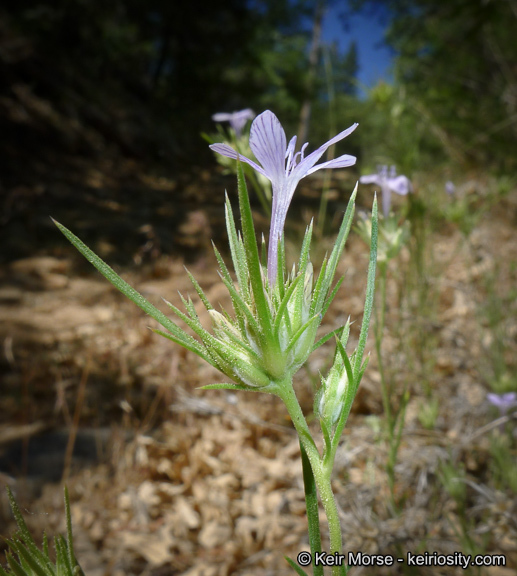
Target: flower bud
307,287
235,360
220,321
250,375
331,399
239,365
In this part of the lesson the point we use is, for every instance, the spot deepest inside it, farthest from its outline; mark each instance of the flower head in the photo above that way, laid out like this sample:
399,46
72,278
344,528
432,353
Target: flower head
503,401
237,119
389,182
284,168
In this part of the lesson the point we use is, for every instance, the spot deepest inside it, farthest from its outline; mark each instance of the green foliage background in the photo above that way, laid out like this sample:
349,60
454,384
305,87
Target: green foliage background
145,77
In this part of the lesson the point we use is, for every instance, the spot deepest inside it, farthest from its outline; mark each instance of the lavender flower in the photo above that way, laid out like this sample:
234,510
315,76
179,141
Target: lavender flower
503,401
450,188
237,120
389,183
284,169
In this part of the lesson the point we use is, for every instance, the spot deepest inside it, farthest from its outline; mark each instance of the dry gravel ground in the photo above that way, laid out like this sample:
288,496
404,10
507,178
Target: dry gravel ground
167,479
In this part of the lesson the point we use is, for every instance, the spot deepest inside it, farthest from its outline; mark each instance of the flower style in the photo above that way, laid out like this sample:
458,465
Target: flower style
237,119
389,182
284,168
503,401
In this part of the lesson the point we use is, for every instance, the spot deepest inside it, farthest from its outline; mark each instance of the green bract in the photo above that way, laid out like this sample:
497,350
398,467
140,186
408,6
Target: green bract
392,235
272,329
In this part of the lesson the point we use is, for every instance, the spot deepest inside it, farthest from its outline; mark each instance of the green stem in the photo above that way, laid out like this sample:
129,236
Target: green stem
311,502
321,471
329,504
379,329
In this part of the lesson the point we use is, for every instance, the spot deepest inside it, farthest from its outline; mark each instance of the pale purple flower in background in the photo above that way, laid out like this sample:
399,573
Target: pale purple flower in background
503,401
284,168
450,188
237,119
388,182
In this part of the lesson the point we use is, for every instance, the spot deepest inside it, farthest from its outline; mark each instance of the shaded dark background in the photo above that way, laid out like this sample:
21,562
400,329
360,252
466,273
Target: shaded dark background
97,98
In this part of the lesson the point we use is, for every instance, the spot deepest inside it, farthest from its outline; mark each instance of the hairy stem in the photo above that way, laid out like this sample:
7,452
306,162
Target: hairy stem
322,474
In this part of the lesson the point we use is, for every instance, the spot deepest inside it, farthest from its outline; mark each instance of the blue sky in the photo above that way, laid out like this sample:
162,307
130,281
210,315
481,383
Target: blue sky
374,58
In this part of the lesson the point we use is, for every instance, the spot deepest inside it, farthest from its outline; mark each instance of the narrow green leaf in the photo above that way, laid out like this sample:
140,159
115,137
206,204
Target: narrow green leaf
211,343
297,298
281,311
303,265
370,290
238,256
195,347
28,560
63,566
69,534
228,386
295,567
252,255
45,545
347,365
235,296
192,323
199,290
346,333
297,335
326,338
24,531
241,309
122,285
342,236
240,343
190,308
317,296
304,252
14,566
364,365
329,300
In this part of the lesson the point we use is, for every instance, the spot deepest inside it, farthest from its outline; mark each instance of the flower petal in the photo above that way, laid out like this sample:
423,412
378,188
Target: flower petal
229,152
304,167
222,117
401,185
268,142
494,399
371,179
342,135
341,162
247,113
